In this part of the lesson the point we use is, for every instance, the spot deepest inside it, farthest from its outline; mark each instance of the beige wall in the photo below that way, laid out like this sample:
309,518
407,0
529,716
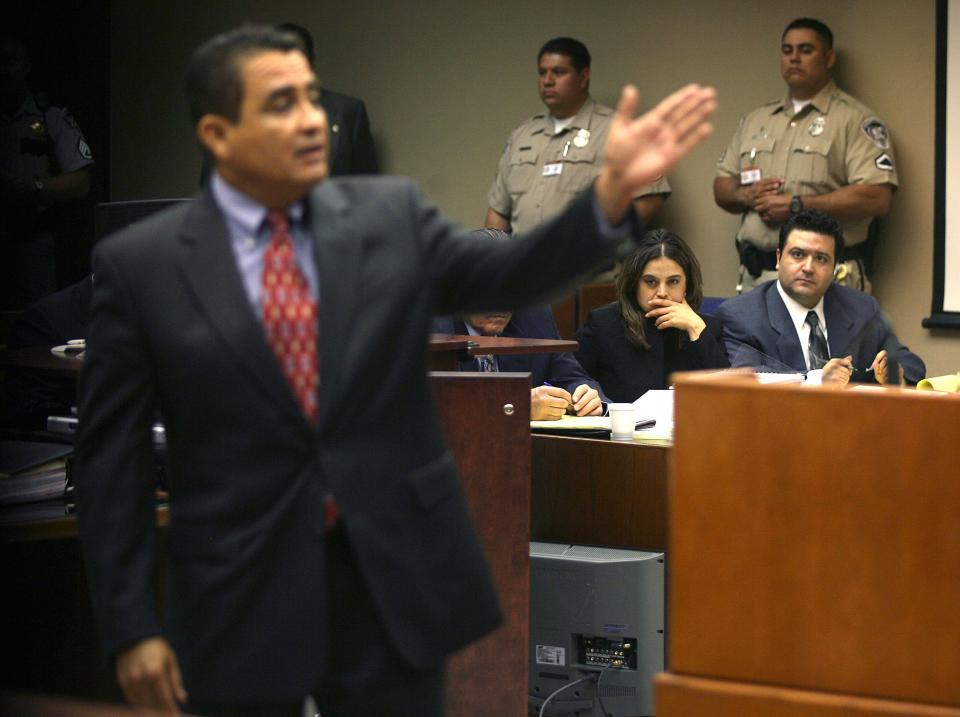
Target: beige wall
445,82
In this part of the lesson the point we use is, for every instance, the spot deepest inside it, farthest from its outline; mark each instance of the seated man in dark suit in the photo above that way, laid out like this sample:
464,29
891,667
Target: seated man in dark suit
805,321
559,383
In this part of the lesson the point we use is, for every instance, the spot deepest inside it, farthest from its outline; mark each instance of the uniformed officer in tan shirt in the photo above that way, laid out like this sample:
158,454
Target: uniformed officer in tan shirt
817,148
556,154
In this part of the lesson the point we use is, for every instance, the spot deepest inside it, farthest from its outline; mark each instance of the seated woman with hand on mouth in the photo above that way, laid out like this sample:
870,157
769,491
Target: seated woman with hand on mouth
653,329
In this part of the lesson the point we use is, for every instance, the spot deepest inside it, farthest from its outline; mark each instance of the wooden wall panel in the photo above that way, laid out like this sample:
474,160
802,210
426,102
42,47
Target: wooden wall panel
594,492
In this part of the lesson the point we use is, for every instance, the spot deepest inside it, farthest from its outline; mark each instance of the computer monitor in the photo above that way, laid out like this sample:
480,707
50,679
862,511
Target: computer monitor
595,613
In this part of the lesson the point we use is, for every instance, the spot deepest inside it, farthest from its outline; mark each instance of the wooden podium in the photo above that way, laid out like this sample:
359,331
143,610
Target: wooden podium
814,550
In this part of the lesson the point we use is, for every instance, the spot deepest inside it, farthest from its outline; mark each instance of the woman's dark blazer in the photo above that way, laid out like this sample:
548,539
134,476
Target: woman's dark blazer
625,372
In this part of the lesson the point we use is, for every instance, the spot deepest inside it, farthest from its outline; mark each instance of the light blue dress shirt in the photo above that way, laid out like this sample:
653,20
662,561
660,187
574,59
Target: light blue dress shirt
249,236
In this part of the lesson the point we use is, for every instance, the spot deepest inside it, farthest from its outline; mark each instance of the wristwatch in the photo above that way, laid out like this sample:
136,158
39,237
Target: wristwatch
796,204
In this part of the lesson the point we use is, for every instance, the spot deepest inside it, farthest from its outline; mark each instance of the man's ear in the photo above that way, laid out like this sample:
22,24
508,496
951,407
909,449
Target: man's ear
585,78
214,132
831,59
778,260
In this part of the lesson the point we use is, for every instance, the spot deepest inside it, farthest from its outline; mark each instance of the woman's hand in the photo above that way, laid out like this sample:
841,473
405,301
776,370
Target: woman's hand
669,314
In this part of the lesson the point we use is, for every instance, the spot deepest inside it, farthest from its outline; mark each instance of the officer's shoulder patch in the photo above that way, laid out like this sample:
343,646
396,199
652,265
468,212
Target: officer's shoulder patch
876,132
885,162
84,149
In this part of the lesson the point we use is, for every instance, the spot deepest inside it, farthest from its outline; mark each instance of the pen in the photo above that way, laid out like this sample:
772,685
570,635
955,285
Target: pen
645,423
566,148
550,385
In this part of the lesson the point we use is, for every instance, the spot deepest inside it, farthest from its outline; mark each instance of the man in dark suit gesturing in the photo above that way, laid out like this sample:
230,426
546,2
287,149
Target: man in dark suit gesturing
319,540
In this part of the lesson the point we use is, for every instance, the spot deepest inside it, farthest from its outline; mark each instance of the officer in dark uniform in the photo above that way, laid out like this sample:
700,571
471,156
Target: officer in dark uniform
44,159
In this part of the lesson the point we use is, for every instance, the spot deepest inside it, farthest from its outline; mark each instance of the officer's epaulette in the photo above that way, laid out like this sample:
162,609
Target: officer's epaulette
848,99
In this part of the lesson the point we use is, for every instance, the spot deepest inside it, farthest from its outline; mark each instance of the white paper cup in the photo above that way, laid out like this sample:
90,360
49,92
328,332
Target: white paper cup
621,421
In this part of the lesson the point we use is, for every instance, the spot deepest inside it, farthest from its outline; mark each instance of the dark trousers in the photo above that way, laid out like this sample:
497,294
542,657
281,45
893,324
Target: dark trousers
365,675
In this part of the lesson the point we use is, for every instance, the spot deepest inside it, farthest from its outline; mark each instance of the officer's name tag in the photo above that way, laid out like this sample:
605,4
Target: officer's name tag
750,175
552,169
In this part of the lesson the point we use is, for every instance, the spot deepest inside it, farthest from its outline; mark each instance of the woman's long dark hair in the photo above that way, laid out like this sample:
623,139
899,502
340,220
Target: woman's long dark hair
653,245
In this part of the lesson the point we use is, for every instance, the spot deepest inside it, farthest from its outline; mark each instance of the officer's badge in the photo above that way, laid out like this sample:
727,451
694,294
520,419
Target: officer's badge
885,162
39,130
816,127
877,132
582,139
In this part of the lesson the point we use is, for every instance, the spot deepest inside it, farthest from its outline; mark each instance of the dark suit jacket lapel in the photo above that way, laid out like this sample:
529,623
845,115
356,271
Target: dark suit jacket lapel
334,119
788,343
338,250
839,325
210,269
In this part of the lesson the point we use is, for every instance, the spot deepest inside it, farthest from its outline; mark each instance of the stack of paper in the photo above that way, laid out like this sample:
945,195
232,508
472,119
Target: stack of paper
582,425
658,405
32,471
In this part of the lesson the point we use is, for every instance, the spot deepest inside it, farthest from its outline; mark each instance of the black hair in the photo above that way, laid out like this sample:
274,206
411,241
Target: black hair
306,39
574,49
823,32
813,220
214,73
653,245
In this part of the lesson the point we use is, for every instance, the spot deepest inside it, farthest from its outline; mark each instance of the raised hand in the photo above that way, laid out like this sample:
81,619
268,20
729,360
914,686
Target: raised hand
640,149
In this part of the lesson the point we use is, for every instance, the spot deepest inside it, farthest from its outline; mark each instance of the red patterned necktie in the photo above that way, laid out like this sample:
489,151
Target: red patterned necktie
290,315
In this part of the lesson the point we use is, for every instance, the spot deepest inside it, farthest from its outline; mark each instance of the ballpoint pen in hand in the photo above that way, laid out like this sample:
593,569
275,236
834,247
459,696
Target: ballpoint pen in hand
550,385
